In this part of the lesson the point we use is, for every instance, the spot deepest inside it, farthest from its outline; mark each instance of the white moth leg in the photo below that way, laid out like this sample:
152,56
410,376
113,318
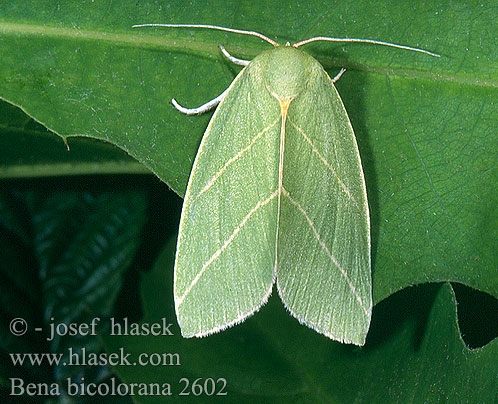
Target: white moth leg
338,75
233,59
213,103
203,108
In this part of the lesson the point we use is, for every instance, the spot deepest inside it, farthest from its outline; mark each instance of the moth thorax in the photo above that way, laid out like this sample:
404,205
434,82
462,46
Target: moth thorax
288,72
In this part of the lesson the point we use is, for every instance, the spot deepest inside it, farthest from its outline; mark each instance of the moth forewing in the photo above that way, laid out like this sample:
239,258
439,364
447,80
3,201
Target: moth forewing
323,276
224,260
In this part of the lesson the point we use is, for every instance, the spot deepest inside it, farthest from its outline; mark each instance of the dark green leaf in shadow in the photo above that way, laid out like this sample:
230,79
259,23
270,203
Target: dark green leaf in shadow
477,316
19,292
84,242
63,257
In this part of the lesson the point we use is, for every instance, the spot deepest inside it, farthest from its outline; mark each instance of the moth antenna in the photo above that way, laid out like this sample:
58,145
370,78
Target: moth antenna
358,40
236,31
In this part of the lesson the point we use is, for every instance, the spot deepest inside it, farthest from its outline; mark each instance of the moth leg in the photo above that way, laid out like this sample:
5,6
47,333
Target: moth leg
203,108
213,103
233,59
338,76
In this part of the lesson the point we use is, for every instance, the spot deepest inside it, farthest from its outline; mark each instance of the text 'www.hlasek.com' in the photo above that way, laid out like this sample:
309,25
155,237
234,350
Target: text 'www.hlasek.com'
80,357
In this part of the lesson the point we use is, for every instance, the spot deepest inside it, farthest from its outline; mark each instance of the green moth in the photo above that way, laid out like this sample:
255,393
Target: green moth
276,196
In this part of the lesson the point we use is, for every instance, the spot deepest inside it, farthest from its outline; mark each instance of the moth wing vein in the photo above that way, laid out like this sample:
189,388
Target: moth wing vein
326,250
236,157
327,164
227,242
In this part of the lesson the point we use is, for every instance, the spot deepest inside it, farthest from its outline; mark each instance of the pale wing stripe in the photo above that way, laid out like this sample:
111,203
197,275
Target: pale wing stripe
322,244
236,157
326,163
225,245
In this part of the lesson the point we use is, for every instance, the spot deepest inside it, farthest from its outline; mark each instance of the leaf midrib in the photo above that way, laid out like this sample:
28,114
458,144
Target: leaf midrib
209,49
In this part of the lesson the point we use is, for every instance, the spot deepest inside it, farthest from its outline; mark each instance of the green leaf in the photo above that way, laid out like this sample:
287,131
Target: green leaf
96,76
426,127
414,353
30,150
